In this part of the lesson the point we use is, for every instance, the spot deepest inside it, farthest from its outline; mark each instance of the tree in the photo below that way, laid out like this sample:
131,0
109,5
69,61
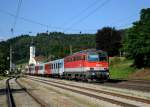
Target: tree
108,39
137,42
4,53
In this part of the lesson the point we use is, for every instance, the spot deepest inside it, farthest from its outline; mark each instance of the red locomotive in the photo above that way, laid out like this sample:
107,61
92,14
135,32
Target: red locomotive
87,65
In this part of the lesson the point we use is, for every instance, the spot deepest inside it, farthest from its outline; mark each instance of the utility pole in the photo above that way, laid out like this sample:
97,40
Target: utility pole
70,49
10,59
10,53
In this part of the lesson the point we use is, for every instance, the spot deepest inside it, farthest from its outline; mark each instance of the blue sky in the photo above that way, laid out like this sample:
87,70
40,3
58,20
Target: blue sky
69,16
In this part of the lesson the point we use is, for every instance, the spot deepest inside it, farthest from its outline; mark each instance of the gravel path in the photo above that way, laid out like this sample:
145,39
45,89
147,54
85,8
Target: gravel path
3,99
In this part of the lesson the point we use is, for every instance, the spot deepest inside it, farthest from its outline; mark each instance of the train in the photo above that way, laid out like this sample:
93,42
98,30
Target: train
83,65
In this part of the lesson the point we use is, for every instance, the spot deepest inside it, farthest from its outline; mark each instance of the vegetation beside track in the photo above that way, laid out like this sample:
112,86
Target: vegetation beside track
2,77
122,68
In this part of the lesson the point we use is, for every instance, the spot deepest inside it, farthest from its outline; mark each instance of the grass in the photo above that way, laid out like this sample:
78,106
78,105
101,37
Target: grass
120,68
2,77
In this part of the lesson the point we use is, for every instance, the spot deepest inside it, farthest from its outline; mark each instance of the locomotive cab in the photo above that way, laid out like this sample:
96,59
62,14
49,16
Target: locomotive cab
98,66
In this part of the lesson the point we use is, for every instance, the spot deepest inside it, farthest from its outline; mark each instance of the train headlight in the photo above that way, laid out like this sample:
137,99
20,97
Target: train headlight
93,73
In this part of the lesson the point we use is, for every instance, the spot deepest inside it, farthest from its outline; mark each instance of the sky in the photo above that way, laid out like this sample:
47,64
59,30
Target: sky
69,16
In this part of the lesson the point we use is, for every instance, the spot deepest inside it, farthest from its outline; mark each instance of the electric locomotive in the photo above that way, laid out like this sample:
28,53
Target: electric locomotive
87,65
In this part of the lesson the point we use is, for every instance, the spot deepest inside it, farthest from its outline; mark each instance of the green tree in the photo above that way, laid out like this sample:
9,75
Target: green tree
137,41
108,39
4,54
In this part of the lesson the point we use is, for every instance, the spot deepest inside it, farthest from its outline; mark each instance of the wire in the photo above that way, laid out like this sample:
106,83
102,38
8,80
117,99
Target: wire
89,14
35,22
84,10
17,14
48,26
29,20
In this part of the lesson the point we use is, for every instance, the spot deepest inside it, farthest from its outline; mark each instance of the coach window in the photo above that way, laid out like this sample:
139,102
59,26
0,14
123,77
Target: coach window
56,65
70,59
75,58
41,67
78,57
50,66
82,57
59,65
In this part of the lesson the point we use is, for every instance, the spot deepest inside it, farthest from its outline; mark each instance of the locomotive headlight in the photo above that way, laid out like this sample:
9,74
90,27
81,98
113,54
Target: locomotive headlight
93,73
107,73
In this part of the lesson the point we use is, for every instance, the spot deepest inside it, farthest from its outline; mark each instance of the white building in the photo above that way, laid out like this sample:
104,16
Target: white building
32,60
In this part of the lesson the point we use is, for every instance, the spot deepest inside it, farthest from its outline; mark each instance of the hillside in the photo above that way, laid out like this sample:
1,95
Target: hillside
50,46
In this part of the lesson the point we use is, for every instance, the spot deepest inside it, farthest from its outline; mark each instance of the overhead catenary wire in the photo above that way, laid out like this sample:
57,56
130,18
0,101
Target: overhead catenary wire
35,22
17,13
29,20
81,12
63,29
89,14
48,26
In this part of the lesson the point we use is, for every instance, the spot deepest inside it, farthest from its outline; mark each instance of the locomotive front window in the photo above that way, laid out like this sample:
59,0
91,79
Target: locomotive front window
102,57
93,57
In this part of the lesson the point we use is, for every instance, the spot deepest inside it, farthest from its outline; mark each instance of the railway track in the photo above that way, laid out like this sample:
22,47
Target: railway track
139,85
11,100
65,86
